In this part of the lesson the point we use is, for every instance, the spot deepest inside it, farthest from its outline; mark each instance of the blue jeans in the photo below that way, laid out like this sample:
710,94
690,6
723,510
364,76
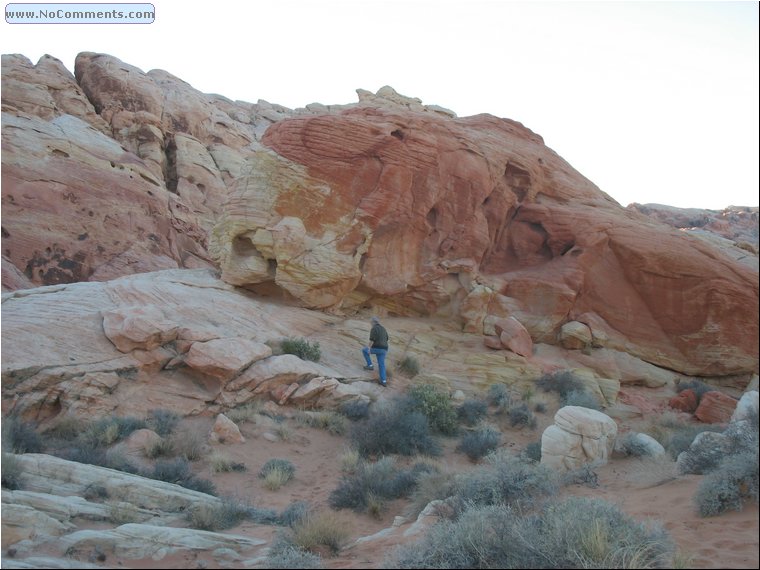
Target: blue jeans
380,355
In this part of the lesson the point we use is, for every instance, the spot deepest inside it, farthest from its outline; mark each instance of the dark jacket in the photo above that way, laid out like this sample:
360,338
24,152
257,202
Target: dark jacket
378,336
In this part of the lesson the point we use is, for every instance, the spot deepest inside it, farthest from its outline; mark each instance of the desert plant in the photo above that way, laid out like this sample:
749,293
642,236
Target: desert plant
729,487
583,475
163,447
373,483
286,555
294,513
245,413
472,411
227,513
392,428
436,485
276,472
562,382
302,348
355,409
189,444
11,472
577,533
435,405
499,396
20,436
107,431
520,415
319,531
532,452
162,421
409,366
332,422
505,479
582,398
349,461
222,464
177,471
479,443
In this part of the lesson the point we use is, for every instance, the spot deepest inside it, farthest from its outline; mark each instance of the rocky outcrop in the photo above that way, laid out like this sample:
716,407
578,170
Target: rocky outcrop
578,437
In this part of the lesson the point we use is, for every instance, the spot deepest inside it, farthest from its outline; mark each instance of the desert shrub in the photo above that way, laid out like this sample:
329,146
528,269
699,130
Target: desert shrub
505,479
349,460
294,513
432,486
629,445
520,415
177,471
582,398
277,472
539,407
163,447
162,421
561,382
435,405
229,512
65,429
20,436
532,452
729,487
302,348
479,443
96,455
583,475
285,555
189,444
374,483
11,472
107,431
409,366
392,428
319,531
498,395
472,411
355,409
244,413
264,516
697,386
94,492
222,464
577,533
332,422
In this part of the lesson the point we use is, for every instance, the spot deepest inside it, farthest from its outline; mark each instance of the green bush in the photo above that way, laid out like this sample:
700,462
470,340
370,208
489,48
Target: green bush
177,471
562,382
479,443
582,398
20,436
377,481
280,464
498,395
227,514
520,415
507,480
286,555
729,487
435,405
162,421
392,428
355,409
294,512
577,533
532,452
11,472
302,348
472,411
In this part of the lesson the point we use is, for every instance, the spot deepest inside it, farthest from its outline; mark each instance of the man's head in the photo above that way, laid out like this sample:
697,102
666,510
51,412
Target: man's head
375,320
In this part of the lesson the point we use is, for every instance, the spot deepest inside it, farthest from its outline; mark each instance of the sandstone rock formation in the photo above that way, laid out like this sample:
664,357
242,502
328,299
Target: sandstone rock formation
384,203
579,437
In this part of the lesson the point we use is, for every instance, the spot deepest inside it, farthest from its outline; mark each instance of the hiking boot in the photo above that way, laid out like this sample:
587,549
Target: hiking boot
384,384
370,367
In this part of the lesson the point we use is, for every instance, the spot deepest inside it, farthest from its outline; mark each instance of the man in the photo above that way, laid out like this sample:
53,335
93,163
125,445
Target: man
378,345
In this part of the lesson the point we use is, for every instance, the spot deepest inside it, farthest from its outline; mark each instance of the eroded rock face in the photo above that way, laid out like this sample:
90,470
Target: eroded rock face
414,211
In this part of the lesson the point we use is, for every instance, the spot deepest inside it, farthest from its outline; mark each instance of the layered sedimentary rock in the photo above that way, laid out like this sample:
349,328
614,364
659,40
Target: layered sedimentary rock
385,203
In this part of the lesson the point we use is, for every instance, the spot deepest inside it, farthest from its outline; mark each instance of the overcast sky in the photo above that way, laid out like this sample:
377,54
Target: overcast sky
652,101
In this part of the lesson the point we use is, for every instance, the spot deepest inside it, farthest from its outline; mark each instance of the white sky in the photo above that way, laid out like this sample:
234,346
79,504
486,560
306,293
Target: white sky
652,101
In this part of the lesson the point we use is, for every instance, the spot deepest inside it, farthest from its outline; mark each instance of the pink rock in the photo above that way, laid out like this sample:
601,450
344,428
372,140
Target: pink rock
684,401
715,407
514,336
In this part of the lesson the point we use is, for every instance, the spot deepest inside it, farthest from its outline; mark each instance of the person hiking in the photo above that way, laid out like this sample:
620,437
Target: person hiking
378,345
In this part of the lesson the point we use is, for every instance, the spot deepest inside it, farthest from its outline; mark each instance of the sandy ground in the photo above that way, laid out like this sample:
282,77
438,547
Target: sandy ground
641,489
